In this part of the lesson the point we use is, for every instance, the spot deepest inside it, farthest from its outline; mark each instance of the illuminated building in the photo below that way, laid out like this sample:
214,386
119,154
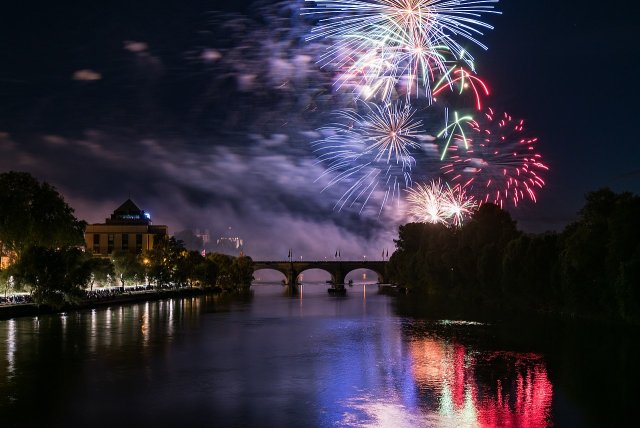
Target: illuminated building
229,244
128,229
204,236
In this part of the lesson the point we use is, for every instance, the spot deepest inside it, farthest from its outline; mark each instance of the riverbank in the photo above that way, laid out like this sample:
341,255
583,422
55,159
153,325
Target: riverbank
31,309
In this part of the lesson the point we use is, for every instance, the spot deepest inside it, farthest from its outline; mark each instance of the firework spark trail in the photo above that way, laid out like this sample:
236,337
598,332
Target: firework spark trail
464,79
416,37
383,49
449,131
370,148
439,204
500,164
389,132
458,205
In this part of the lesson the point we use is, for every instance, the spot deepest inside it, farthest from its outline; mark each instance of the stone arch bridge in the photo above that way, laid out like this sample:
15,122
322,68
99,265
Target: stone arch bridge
337,269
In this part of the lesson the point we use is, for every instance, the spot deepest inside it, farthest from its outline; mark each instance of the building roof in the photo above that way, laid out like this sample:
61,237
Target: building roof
129,213
128,207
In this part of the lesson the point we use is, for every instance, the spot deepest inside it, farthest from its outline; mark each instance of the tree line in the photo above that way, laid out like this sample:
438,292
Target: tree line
42,243
591,269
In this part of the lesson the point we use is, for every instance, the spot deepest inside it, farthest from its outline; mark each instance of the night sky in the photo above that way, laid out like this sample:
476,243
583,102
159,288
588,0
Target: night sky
201,113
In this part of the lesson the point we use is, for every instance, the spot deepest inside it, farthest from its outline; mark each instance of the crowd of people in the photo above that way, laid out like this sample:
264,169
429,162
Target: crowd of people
102,293
15,299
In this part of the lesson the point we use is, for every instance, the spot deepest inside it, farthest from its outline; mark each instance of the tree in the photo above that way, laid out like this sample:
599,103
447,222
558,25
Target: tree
486,236
102,271
242,271
206,272
127,267
223,262
186,267
34,214
600,255
55,276
164,262
5,278
425,258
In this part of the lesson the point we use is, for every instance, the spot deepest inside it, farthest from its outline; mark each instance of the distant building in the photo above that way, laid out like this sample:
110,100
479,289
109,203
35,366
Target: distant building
229,244
128,229
204,236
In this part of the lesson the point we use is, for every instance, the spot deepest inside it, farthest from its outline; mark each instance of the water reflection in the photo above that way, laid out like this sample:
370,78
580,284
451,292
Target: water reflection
265,359
456,384
11,346
482,388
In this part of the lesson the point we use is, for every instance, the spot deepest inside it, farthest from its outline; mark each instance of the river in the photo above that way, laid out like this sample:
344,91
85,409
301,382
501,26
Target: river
311,360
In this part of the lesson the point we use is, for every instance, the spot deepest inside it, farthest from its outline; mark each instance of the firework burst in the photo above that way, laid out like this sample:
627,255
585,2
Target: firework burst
439,204
500,163
370,148
416,37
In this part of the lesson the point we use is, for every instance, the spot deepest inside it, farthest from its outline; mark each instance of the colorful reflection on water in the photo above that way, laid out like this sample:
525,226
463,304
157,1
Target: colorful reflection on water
449,383
513,390
269,359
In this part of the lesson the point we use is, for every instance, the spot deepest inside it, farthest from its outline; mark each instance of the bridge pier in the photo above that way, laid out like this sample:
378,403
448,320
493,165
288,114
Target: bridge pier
292,277
338,279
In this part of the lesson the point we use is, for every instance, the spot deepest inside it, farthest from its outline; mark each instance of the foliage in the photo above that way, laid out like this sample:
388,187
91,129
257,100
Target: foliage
127,267
600,257
34,214
187,266
242,271
169,264
206,272
591,269
164,267
55,276
223,262
102,272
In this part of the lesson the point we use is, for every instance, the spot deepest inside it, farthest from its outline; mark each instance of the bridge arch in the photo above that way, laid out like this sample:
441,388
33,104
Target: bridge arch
269,275
379,276
329,274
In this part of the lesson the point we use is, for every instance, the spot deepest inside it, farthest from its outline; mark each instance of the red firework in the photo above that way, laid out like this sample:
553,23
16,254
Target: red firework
500,164
464,79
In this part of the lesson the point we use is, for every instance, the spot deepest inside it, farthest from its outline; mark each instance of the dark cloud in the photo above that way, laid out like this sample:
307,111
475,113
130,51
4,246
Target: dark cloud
206,119
269,196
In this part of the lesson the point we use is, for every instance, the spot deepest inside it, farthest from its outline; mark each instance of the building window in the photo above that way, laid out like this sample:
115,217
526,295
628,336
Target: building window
110,244
96,243
138,243
125,242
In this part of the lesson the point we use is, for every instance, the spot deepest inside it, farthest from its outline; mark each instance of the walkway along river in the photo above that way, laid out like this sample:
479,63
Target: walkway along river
268,359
